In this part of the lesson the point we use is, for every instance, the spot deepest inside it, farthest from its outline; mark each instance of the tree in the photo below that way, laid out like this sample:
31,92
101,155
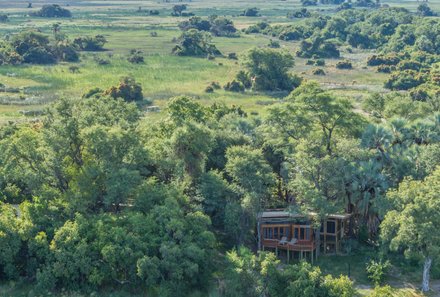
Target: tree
33,47
261,275
251,12
269,70
89,43
52,11
424,10
178,9
195,43
413,223
4,18
331,115
128,89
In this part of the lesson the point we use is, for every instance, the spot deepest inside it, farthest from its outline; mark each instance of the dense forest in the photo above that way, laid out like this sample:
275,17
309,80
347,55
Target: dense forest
96,195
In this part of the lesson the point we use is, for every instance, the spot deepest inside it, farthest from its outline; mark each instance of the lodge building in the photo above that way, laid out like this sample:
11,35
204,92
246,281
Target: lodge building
300,235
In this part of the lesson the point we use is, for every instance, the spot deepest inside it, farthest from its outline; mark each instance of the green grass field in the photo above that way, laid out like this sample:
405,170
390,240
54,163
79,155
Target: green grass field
162,75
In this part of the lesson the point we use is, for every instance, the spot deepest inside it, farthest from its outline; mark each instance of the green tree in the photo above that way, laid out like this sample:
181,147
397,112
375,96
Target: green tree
412,225
128,89
269,70
195,43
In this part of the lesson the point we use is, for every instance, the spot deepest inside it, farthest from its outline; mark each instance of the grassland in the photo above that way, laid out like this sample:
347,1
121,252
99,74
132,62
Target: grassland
162,75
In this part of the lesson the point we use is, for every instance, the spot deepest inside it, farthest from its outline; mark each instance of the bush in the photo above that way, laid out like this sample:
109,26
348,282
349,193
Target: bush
405,80
344,65
244,78
96,92
385,69
136,57
89,43
377,271
215,85
39,55
195,43
4,18
251,12
274,44
128,89
377,60
299,13
153,34
154,12
52,11
234,86
209,89
320,62
101,60
317,48
318,71
385,291
178,9
66,52
270,70
232,56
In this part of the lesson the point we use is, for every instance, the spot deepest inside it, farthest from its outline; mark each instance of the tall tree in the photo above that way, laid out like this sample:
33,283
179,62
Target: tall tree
412,226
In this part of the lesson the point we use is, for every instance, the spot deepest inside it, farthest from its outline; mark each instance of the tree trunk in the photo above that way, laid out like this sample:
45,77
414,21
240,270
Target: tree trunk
426,270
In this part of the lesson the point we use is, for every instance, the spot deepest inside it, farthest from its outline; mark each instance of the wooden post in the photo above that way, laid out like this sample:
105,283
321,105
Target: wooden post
325,237
288,255
276,251
337,235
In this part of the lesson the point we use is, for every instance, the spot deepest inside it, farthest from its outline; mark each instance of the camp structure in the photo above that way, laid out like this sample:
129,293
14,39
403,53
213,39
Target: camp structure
301,235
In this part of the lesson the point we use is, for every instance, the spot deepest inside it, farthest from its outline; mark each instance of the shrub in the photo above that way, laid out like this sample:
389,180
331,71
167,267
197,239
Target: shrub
317,48
96,92
234,86
89,43
344,65
274,44
377,270
339,287
309,2
4,18
178,9
195,43
404,80
135,57
66,52
74,69
320,62
232,56
257,28
299,13
153,34
39,55
101,60
244,78
215,85
52,11
376,60
270,70
385,69
409,65
385,291
209,89
251,12
318,71
128,89
154,12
